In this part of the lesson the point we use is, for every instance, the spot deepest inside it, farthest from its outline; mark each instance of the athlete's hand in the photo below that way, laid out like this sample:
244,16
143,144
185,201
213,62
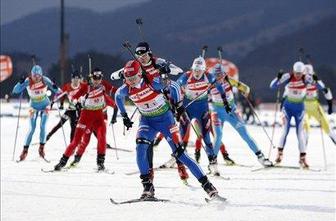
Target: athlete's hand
280,73
179,112
315,78
22,79
227,107
330,110
114,119
127,122
163,68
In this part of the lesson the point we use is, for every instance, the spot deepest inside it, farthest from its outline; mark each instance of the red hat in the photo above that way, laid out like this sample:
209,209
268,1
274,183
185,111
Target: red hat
131,68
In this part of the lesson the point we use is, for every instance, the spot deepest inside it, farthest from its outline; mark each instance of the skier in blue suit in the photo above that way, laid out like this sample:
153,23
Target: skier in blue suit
156,116
37,86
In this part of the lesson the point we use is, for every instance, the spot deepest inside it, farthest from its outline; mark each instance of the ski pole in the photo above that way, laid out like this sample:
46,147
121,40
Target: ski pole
322,138
275,117
136,109
115,144
59,114
204,50
256,115
140,23
17,125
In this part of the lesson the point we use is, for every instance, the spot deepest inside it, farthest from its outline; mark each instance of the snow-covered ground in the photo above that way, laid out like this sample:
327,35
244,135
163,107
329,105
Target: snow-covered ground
81,194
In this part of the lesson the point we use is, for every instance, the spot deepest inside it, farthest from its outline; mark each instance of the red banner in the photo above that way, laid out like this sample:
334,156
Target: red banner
6,67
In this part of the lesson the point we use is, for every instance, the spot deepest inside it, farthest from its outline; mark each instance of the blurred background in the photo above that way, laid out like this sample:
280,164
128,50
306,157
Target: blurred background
259,36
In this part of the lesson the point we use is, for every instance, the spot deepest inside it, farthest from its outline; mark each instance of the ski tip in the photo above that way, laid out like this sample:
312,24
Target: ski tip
114,202
217,198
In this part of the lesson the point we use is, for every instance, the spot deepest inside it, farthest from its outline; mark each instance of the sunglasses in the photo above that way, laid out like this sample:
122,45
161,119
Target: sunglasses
141,55
97,77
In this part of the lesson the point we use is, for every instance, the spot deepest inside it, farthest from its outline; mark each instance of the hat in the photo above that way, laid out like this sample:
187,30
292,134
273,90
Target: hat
36,69
97,73
76,74
142,48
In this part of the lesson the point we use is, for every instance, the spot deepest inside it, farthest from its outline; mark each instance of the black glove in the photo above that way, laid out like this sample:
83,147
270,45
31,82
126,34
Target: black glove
22,79
179,112
114,116
144,76
280,73
163,68
127,122
227,107
78,106
315,78
330,110
61,107
325,90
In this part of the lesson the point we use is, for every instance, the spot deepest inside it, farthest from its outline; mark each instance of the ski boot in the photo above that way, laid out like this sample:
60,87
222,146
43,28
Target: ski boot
303,163
24,153
228,161
208,187
262,160
41,150
182,172
279,156
197,155
213,166
149,190
76,160
100,162
63,161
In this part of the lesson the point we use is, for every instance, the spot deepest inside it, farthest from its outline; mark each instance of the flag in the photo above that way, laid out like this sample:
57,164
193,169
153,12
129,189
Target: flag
6,67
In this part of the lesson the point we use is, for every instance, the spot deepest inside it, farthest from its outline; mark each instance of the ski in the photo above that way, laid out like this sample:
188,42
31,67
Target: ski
121,149
138,200
286,167
107,171
66,169
238,165
216,198
218,176
46,160
53,170
43,158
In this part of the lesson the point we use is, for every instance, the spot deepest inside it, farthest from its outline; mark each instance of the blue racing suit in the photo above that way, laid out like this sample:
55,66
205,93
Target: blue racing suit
39,102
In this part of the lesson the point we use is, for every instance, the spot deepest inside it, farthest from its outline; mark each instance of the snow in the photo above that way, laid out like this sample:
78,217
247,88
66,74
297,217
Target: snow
81,194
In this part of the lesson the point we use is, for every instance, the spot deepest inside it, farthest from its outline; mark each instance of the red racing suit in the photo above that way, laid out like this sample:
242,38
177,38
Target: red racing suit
91,118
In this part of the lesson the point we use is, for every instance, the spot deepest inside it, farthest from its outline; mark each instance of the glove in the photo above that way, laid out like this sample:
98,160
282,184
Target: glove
61,107
227,107
54,86
114,119
179,112
280,73
22,79
127,122
163,68
78,106
114,116
315,78
330,110
325,90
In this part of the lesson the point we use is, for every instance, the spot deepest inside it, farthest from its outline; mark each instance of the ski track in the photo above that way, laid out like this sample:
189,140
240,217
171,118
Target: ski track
81,194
